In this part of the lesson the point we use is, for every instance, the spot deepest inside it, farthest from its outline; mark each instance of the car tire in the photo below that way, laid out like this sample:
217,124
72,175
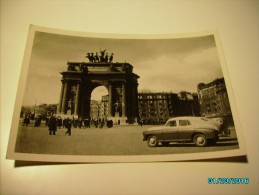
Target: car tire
152,141
200,140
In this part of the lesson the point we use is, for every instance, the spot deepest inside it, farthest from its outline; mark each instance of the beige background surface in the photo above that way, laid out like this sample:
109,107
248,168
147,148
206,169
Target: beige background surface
237,22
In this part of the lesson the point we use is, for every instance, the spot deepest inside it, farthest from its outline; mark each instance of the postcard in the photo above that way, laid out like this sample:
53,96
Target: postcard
89,97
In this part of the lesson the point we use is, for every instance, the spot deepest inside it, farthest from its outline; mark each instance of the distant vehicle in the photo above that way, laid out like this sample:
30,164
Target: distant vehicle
224,128
199,130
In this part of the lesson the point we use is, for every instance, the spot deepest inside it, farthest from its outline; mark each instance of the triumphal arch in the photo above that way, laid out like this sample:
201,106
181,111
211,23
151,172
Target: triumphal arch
81,78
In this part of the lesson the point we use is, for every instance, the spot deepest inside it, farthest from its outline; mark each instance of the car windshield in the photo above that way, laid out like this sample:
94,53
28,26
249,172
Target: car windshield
171,123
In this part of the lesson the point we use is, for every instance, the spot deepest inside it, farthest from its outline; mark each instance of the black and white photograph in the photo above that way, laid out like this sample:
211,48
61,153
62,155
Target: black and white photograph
124,98
129,97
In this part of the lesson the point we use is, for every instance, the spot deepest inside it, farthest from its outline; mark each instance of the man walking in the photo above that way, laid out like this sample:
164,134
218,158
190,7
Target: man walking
68,126
52,125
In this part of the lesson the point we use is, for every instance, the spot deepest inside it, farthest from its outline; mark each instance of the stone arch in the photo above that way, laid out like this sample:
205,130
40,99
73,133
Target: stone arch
120,82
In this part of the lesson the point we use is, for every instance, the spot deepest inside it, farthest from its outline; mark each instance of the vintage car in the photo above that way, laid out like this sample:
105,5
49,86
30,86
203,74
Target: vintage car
199,130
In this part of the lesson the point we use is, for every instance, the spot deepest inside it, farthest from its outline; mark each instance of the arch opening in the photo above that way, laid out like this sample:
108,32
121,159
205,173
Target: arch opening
99,103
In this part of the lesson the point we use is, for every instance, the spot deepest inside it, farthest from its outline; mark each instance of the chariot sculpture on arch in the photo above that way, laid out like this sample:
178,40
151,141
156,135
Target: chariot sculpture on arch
99,57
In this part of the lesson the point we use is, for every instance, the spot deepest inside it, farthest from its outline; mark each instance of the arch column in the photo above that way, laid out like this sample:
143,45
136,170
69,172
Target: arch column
123,100
77,97
61,97
136,100
63,108
110,100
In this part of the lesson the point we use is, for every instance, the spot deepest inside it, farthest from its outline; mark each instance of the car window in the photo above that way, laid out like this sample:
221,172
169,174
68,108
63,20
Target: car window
184,122
171,123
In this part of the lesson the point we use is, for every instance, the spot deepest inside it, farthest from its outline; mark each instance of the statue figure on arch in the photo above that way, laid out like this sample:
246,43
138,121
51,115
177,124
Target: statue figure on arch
71,106
102,57
111,58
96,57
106,58
117,107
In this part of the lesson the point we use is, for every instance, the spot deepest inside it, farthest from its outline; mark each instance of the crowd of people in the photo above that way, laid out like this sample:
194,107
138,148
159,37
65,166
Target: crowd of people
54,122
80,123
27,120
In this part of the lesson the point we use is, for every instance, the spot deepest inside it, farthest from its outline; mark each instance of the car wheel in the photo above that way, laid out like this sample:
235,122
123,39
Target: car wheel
152,141
200,140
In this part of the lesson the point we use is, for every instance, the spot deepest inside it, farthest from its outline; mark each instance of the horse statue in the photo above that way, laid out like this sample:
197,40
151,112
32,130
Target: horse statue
90,57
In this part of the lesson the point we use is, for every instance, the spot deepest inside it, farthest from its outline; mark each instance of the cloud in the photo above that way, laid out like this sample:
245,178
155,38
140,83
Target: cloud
162,64
182,72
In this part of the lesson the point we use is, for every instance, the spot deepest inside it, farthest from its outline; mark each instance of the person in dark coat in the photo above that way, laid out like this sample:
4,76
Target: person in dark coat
68,126
52,125
37,121
64,123
80,123
141,122
87,123
59,122
26,120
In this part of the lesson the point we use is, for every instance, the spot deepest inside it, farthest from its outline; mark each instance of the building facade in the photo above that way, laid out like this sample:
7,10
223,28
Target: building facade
104,107
213,99
94,109
157,108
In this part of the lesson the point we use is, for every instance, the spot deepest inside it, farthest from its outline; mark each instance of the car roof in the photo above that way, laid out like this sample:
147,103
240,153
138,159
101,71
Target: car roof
186,118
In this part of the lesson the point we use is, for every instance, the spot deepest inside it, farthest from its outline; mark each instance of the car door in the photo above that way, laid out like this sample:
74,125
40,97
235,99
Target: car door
185,129
170,131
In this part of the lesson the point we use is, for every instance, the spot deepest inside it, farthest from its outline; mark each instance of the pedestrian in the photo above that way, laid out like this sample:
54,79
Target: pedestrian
109,123
68,126
26,120
59,122
75,122
37,121
47,121
87,123
96,123
80,123
141,122
52,125
64,123
101,123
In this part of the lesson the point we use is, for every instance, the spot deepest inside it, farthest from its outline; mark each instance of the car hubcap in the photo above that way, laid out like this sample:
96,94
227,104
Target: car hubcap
152,140
200,140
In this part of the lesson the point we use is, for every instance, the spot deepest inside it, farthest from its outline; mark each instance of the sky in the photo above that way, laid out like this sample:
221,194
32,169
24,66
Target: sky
164,65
